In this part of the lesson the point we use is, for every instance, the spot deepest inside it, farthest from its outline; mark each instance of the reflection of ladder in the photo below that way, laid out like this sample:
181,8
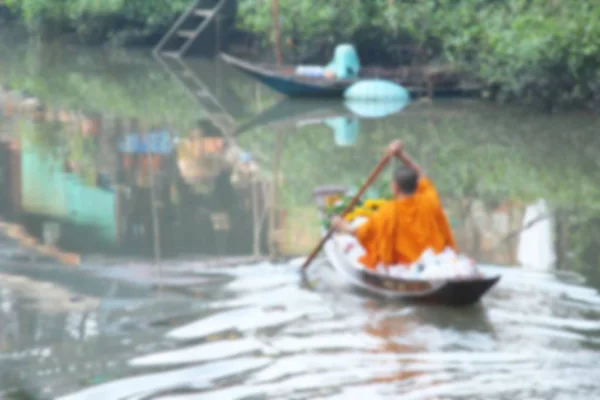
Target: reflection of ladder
200,93
186,30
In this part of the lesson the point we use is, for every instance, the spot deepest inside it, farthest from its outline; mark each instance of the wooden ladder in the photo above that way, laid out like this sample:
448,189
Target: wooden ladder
186,30
201,93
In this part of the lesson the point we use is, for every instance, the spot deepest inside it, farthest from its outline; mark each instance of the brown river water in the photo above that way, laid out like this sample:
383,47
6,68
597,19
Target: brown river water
173,274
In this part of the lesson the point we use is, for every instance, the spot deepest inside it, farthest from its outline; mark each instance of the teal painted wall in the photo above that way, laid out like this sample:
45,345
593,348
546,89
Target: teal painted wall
47,190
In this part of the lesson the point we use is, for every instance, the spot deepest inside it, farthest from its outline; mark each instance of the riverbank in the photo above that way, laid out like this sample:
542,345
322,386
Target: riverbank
545,55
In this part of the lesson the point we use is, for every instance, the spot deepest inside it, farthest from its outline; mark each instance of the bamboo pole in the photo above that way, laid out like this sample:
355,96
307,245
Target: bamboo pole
349,207
273,228
277,32
255,218
154,215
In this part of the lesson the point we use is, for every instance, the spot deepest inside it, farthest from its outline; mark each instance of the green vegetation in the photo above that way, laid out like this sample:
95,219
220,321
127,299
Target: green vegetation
99,20
543,52
110,83
472,150
537,51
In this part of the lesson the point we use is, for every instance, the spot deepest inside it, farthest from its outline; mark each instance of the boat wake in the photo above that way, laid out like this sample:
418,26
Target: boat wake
254,332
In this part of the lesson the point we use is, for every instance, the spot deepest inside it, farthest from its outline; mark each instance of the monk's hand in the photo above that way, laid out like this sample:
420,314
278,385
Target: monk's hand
340,225
395,148
337,223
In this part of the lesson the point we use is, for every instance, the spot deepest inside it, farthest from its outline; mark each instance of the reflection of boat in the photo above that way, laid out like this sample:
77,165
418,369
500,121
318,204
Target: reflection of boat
293,112
345,130
342,117
284,79
344,124
455,292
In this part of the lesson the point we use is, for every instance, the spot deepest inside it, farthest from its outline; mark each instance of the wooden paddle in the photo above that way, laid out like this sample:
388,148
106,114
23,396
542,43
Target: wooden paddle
349,207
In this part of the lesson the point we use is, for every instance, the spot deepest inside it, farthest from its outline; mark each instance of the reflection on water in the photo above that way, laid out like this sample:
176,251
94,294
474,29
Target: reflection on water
377,109
536,244
178,195
345,130
131,192
271,339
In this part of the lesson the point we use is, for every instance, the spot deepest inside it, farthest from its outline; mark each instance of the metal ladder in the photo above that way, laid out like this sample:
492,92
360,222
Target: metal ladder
200,93
186,30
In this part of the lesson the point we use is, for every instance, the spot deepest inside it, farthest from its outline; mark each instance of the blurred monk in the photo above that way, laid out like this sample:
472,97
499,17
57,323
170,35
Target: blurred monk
402,229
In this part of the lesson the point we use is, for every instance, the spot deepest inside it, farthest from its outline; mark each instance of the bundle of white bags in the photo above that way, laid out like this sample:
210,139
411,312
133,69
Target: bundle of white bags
446,265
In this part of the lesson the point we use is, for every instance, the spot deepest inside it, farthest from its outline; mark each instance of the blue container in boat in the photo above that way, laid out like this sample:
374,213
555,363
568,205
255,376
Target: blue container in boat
345,63
377,89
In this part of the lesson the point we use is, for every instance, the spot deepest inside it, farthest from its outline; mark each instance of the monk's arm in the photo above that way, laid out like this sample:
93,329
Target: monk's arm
342,226
361,232
396,148
409,162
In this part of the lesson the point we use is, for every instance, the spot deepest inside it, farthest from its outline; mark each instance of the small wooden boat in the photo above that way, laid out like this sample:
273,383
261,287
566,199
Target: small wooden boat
419,81
341,252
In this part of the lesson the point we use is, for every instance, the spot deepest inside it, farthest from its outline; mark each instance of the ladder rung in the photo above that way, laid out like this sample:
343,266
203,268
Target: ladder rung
203,13
186,34
222,117
172,54
187,73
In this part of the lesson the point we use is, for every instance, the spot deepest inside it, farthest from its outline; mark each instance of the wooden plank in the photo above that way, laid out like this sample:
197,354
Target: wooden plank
186,34
277,32
172,54
169,35
203,13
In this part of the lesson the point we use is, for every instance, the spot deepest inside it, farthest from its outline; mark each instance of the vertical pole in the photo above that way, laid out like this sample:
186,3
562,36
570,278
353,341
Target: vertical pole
118,133
277,32
154,213
218,28
561,230
218,75
255,218
273,229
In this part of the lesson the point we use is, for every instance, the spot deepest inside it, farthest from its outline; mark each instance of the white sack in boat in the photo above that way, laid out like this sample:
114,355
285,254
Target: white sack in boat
446,265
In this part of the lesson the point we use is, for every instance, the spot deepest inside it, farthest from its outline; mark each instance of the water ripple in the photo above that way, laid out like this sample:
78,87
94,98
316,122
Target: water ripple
256,333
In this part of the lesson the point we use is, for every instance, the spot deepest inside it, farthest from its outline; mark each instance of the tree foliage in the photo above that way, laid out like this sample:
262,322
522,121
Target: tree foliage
108,82
537,51
99,20
543,52
470,149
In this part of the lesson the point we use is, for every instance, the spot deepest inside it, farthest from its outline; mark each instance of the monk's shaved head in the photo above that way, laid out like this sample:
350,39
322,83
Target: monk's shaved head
406,180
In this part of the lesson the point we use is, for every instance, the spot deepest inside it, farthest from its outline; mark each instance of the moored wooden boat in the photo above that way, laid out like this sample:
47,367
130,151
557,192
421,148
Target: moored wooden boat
419,81
341,253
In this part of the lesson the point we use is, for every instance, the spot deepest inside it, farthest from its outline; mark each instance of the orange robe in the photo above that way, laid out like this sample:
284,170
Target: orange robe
401,230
